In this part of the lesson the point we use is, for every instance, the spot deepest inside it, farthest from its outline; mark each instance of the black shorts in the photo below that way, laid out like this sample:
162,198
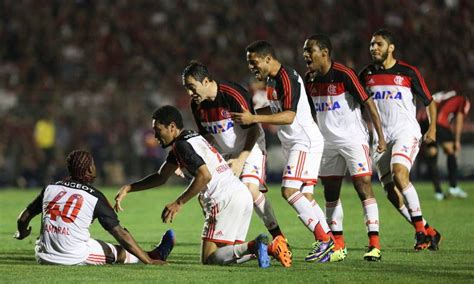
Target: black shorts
443,134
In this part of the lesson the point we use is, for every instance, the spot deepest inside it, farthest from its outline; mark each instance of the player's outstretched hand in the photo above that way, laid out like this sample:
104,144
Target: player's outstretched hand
382,146
170,211
245,117
120,196
236,165
158,262
21,234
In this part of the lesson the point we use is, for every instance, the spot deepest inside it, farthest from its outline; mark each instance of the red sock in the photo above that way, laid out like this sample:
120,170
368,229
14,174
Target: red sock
251,246
320,234
374,241
339,241
419,227
430,231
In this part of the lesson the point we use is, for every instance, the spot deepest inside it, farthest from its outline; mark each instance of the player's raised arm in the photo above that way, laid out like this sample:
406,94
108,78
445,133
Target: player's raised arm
151,181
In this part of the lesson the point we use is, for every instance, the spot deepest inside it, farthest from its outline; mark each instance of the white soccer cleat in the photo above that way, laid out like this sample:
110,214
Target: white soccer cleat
439,196
457,192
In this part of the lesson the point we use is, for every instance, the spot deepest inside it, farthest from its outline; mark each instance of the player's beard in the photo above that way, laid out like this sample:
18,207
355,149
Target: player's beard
381,59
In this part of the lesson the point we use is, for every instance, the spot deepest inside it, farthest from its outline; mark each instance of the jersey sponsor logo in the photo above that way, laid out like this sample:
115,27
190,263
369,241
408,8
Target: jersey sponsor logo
386,95
362,167
405,148
371,81
326,106
222,168
75,185
218,127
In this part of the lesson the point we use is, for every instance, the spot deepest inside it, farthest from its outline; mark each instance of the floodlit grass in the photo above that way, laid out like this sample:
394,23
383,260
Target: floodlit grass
453,218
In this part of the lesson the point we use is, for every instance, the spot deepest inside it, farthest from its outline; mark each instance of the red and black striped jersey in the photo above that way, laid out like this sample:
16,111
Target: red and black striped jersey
394,91
336,98
450,107
213,117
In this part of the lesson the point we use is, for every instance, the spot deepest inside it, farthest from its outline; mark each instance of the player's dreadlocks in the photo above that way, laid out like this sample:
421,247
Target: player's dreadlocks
78,163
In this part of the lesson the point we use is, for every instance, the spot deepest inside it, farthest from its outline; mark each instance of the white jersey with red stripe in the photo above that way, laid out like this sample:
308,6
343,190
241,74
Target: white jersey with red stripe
286,91
68,209
213,117
190,151
336,98
394,91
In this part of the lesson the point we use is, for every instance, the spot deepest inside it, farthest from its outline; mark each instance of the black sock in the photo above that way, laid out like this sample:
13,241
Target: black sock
433,172
452,170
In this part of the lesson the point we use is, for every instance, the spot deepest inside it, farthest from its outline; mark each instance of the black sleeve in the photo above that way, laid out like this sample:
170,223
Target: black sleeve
36,206
172,158
197,119
104,213
418,86
186,156
353,85
238,99
290,89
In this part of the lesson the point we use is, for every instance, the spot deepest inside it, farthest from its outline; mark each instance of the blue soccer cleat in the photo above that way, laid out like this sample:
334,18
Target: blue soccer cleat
164,248
261,247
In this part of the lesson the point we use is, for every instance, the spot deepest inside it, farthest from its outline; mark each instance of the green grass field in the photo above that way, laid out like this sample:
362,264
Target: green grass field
453,218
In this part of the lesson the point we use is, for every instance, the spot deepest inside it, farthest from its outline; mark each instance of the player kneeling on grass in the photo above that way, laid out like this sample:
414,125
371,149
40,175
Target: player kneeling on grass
226,201
68,208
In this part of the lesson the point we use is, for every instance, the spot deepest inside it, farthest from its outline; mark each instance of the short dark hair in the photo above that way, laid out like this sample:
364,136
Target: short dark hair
197,70
168,114
261,48
322,41
386,35
78,163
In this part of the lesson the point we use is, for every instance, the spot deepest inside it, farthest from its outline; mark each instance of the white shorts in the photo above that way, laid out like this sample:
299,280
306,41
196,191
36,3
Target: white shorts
301,169
399,151
336,159
227,221
254,168
99,253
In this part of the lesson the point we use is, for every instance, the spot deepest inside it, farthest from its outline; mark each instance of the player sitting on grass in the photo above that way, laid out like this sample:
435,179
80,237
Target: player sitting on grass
226,201
68,208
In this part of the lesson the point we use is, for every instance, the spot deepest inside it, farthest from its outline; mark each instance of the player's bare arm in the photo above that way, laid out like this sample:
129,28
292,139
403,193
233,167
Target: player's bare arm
127,242
430,135
281,118
151,181
375,118
202,178
237,163
23,230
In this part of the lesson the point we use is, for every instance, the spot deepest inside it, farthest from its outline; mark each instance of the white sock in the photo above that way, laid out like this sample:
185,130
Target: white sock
404,211
321,217
223,256
130,258
371,214
304,209
412,201
335,215
264,210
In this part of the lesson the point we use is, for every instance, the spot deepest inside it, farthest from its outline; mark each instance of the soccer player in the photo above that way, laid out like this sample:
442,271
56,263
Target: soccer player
68,208
243,146
301,140
225,199
337,96
449,105
393,85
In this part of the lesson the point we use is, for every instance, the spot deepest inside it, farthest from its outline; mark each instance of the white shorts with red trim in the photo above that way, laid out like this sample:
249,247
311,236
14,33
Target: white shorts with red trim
301,169
402,150
228,220
337,158
254,168
97,255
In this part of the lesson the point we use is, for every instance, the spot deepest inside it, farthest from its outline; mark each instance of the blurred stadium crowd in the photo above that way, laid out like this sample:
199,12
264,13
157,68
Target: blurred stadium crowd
88,74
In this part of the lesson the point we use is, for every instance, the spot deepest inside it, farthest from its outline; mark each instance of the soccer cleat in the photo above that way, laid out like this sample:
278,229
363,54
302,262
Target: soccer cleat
261,245
337,255
435,241
422,241
280,250
344,250
457,192
319,250
373,254
439,196
164,248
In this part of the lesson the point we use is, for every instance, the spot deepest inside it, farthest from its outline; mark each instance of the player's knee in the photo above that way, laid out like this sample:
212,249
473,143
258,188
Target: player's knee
286,192
431,151
363,186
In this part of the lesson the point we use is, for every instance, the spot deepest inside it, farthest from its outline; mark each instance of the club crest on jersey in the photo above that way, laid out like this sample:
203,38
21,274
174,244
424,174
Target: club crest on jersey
398,80
332,89
386,95
225,113
326,106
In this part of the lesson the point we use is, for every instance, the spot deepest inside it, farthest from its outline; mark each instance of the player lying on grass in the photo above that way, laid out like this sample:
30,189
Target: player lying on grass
68,208
226,201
